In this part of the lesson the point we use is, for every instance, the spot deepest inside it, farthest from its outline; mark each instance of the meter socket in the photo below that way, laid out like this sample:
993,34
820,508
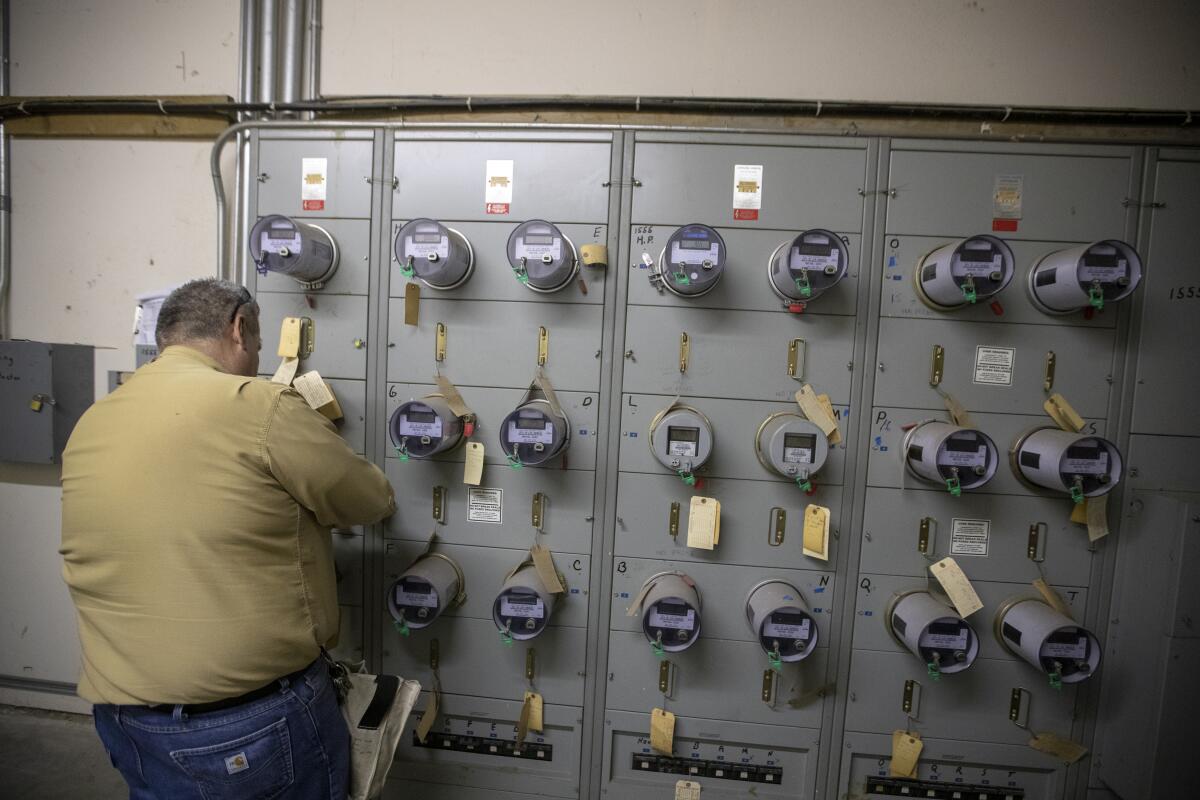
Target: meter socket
423,591
809,265
299,250
1089,275
681,438
958,458
781,621
1071,463
692,263
425,428
964,272
670,611
440,257
533,433
523,607
932,631
791,446
541,256
1028,627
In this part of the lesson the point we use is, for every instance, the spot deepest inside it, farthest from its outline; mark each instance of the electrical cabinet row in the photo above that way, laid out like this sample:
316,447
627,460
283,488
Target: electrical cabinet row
641,621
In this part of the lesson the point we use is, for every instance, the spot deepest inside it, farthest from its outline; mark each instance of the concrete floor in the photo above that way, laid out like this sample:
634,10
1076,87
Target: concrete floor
51,755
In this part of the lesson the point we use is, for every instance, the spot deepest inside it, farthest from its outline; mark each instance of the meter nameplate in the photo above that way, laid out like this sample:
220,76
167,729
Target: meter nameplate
406,596
798,448
1086,466
682,441
531,608
963,449
529,431
533,247
423,245
813,262
678,622
945,641
281,242
788,631
1076,650
414,427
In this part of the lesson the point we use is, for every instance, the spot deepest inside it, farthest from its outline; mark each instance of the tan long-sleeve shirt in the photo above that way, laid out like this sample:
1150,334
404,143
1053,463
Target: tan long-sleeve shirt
196,515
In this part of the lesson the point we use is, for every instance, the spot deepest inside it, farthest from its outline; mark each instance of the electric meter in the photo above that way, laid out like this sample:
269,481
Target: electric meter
1073,463
300,250
427,588
541,256
808,266
945,454
1087,275
533,433
779,617
523,607
791,446
681,438
424,428
670,611
1028,627
964,272
440,257
932,631
692,263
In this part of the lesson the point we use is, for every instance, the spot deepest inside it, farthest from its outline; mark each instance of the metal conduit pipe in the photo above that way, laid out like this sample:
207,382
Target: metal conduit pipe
247,74
268,12
288,73
312,51
5,182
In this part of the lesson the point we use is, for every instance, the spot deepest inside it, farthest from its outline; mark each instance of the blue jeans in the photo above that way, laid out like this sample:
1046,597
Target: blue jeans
291,744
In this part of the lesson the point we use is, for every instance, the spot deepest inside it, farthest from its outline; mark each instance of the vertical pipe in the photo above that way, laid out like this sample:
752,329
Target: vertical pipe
248,52
290,55
267,50
5,180
247,82
312,51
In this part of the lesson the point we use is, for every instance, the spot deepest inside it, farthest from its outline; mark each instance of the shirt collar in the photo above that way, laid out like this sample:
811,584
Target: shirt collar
179,351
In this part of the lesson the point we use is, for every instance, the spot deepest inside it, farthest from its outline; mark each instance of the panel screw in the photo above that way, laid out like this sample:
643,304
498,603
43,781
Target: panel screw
849,365
881,366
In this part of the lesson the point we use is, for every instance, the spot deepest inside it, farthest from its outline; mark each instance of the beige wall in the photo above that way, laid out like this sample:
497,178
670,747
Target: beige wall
1116,53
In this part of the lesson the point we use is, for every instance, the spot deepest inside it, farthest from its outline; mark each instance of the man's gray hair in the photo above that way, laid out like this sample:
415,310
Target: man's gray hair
202,309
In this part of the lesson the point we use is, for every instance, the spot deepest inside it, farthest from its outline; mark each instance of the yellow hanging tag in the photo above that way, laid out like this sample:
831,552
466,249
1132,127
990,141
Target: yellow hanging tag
806,398
662,731
636,606
412,303
452,396
534,702
950,575
1055,745
289,337
835,436
906,750
473,469
286,373
313,389
594,254
1059,410
430,715
543,562
704,523
1097,517
816,532
1052,597
687,790
1079,512
958,414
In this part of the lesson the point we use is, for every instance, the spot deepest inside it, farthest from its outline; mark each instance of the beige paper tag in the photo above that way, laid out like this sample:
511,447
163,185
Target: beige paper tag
1063,414
704,523
662,731
430,715
835,437
956,410
636,605
816,532
1055,745
594,254
543,562
412,302
687,790
453,398
473,469
1079,512
333,409
313,389
523,722
289,337
1097,517
1052,597
950,575
806,398
286,372
533,701
906,750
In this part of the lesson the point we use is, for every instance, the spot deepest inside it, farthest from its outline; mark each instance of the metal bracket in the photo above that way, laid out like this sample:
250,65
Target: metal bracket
927,536
674,522
1014,707
778,526
685,351
797,354
768,687
434,654
439,347
543,345
530,664
1035,550
664,676
935,368
539,503
439,504
1048,374
911,704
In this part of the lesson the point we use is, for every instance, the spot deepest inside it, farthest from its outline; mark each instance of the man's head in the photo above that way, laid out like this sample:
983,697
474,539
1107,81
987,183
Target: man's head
216,317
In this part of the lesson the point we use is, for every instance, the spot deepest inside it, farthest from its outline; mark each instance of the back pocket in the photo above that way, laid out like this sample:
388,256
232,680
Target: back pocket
255,766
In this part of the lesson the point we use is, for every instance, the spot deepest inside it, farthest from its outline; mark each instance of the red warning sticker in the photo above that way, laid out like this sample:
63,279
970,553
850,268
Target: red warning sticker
497,208
1005,225
745,213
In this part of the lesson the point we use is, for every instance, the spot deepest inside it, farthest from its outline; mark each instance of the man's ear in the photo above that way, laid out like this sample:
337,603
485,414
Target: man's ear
241,331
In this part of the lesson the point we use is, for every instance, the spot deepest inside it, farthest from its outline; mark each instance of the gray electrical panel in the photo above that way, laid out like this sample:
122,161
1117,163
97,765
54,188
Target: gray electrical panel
603,324
44,390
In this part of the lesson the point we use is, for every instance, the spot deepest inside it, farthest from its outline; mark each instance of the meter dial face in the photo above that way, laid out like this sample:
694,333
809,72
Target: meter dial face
541,256
1071,652
417,599
946,642
809,265
693,261
672,622
521,613
788,632
438,256
1111,267
967,455
532,434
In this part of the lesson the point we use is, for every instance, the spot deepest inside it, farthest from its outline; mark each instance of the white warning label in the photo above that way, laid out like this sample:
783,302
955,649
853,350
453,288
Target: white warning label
969,537
485,505
994,365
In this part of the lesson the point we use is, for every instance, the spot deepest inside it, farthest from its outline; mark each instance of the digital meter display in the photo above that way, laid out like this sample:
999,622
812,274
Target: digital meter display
531,423
683,434
279,234
694,244
964,445
1100,260
427,238
420,416
976,256
538,239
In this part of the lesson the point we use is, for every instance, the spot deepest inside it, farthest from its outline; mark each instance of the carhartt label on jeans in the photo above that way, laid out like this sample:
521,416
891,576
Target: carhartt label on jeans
237,763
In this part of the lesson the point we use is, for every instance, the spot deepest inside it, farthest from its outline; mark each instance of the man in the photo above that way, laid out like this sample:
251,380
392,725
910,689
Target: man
197,502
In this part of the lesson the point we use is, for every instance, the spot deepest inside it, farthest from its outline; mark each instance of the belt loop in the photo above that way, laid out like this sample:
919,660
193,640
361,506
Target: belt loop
177,713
